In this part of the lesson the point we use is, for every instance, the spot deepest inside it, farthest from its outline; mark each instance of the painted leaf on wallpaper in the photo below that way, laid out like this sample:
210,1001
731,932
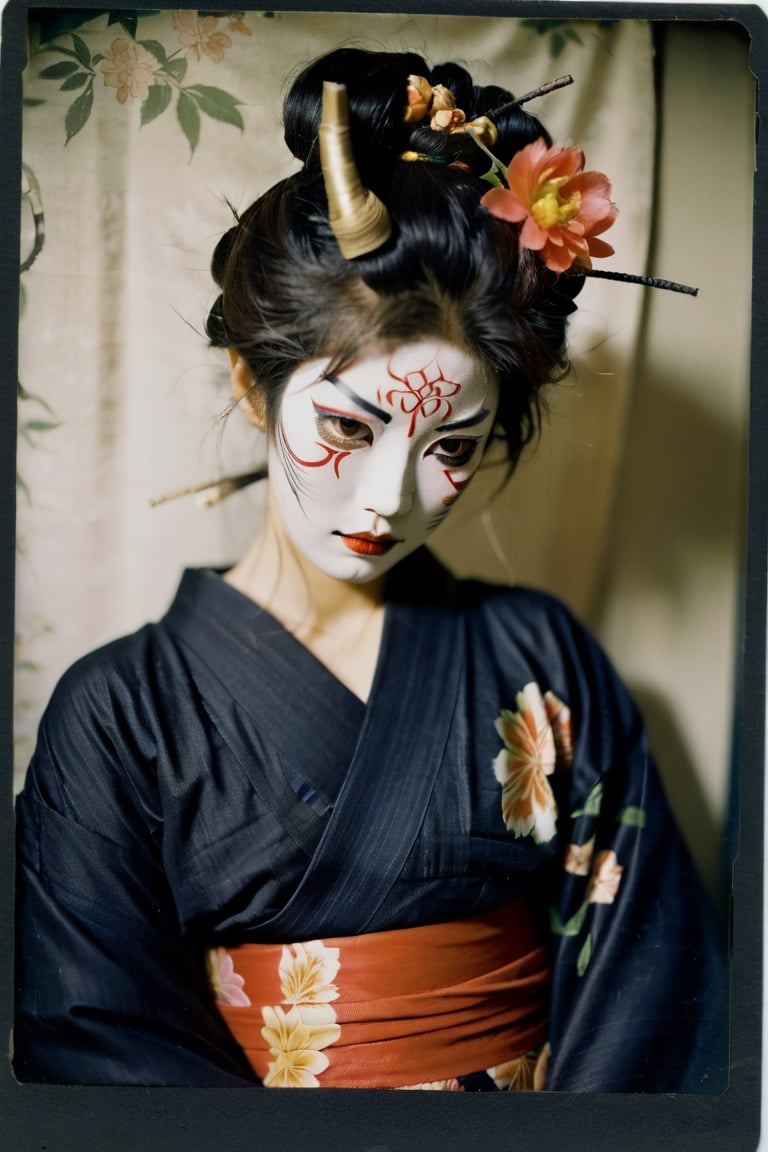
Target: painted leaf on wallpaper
82,50
558,31
189,119
145,71
158,99
74,82
216,103
78,113
59,70
177,68
157,50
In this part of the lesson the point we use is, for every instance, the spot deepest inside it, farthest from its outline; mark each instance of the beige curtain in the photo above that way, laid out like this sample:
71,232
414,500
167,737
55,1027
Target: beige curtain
137,137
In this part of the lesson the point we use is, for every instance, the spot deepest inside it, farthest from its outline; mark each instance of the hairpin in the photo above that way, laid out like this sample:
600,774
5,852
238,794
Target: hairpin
218,489
534,94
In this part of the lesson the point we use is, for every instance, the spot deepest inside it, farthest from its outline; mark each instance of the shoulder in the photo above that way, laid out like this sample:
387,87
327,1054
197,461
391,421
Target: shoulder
524,624
533,620
121,679
517,603
105,727
94,723
103,680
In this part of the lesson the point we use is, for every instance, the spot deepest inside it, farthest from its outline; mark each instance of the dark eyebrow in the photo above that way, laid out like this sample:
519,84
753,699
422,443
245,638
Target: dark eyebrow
468,421
342,386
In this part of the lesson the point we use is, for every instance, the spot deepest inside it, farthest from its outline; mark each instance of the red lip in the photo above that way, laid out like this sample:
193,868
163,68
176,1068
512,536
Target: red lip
366,544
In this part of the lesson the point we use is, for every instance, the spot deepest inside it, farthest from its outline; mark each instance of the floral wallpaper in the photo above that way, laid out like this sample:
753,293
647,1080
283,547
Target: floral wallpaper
145,70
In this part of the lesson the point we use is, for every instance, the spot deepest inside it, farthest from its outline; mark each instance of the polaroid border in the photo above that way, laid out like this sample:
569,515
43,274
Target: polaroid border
42,1118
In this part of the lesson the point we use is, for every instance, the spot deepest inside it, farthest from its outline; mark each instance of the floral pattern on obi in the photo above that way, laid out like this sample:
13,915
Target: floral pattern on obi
296,1037
227,984
537,739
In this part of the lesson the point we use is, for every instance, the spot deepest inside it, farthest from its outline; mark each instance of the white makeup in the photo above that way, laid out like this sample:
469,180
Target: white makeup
365,464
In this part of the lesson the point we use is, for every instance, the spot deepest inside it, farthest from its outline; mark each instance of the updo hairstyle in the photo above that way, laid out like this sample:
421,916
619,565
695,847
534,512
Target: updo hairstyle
450,270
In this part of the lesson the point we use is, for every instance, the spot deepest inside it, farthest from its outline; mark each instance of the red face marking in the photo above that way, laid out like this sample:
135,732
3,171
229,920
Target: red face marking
331,454
459,485
425,393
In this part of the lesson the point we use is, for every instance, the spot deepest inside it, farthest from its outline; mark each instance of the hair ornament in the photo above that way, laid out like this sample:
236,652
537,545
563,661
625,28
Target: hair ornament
212,492
534,94
423,158
358,219
561,209
438,103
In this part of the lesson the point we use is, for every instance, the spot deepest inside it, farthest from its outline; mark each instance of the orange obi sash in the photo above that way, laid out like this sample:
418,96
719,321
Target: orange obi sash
388,1009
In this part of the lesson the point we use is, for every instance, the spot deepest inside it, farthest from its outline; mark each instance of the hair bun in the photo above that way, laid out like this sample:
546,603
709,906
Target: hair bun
376,84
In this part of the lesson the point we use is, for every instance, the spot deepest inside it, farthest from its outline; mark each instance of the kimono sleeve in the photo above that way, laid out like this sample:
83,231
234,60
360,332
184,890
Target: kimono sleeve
640,974
107,991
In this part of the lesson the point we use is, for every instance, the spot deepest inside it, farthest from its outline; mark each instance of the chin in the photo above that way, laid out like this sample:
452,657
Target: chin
352,569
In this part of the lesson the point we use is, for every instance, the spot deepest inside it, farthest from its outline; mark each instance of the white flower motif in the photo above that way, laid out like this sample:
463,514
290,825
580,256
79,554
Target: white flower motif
296,1047
298,1069
528,757
296,1038
307,973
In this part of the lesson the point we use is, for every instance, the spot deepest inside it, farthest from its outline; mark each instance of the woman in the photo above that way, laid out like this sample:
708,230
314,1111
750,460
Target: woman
339,819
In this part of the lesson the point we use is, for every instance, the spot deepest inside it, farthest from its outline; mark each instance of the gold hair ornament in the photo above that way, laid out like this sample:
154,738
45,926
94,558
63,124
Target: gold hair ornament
358,219
439,104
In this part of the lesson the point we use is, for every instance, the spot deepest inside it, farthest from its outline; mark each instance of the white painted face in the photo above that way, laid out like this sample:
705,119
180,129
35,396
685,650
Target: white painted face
365,464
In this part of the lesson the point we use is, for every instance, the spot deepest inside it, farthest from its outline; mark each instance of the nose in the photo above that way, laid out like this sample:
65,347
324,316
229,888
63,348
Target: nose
387,486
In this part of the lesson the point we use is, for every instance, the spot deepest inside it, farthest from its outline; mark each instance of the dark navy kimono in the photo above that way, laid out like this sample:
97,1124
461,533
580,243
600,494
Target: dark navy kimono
206,782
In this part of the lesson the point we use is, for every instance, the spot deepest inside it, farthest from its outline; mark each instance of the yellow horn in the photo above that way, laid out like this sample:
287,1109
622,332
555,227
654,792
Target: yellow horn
358,219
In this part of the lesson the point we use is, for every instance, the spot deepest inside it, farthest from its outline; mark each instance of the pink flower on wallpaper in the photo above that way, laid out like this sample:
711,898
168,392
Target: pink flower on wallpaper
129,68
201,37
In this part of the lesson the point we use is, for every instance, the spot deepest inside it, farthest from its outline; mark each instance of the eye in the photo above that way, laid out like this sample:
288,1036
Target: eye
342,431
455,451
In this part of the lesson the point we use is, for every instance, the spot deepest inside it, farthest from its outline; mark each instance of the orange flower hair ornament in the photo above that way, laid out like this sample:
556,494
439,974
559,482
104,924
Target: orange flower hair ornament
562,208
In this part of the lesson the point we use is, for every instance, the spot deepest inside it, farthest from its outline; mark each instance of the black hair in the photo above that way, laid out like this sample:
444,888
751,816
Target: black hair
449,269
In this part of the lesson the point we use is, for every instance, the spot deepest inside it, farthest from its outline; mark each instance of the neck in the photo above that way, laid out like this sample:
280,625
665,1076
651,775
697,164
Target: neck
341,624
305,600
